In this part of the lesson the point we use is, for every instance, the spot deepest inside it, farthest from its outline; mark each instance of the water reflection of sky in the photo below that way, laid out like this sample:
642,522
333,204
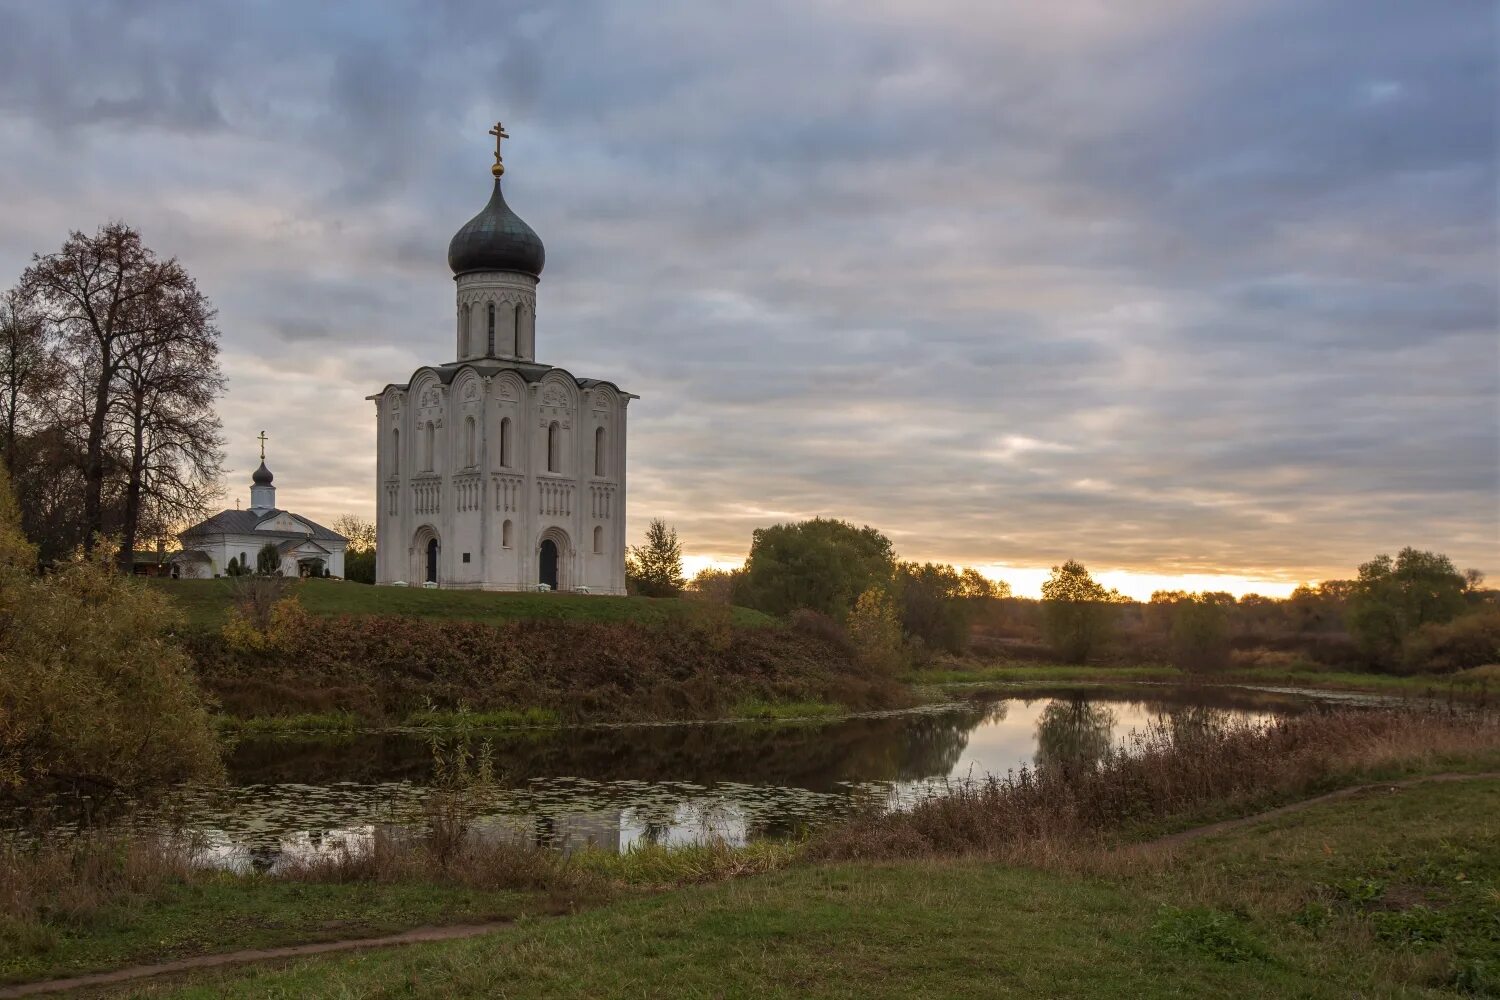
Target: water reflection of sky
616,788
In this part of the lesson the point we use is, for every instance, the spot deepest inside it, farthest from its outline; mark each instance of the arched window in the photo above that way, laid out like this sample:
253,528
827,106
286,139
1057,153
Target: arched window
490,336
395,451
505,535
464,344
515,346
471,452
599,451
554,447
430,448
505,443
598,538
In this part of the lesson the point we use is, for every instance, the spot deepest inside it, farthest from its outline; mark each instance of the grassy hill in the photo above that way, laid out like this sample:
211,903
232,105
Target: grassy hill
206,602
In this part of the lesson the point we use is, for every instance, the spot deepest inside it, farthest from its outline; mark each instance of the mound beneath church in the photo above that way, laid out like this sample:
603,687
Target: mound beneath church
578,658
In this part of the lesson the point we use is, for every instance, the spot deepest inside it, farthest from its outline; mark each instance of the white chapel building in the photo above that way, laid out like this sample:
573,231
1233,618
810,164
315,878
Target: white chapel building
495,471
304,547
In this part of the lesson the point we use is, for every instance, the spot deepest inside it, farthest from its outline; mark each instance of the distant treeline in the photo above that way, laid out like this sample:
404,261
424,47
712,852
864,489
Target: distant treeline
1414,612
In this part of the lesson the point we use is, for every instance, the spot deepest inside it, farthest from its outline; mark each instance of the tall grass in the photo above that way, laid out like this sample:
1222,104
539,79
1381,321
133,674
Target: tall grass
1164,776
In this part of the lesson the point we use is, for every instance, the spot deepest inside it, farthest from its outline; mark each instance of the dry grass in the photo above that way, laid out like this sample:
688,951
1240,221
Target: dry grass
67,881
1052,814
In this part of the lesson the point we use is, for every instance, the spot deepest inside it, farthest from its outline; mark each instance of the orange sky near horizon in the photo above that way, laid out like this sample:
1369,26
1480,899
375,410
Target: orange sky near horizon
1026,581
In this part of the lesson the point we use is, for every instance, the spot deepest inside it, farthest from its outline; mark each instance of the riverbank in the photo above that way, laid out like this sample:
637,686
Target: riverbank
1481,684
96,905
1402,906
1266,910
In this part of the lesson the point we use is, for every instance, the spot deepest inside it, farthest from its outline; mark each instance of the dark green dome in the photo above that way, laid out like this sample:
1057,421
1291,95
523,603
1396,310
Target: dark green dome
496,240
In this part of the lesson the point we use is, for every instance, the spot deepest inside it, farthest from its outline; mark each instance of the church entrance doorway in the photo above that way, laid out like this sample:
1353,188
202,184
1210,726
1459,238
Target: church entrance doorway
422,557
548,563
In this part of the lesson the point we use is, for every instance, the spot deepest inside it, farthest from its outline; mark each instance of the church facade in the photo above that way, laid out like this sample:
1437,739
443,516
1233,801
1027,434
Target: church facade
495,471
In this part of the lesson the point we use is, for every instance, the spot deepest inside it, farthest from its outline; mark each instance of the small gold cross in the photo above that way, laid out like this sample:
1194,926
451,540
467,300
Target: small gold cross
262,446
499,133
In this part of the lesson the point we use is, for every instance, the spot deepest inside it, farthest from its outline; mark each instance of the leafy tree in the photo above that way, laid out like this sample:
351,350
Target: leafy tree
360,532
268,560
1200,633
1393,598
976,586
655,568
875,627
822,564
1077,613
933,605
715,585
359,557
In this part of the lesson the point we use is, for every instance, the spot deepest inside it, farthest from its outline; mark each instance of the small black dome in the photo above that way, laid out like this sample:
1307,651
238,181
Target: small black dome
496,240
261,476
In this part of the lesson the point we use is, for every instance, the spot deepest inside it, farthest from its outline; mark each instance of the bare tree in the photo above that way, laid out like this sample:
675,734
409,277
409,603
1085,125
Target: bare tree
116,305
28,370
169,435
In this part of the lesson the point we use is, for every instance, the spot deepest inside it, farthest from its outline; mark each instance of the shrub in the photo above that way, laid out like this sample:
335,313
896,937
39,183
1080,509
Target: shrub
1170,771
268,560
1470,641
94,691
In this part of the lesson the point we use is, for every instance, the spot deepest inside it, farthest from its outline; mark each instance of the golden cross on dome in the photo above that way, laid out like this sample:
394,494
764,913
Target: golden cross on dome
499,133
262,440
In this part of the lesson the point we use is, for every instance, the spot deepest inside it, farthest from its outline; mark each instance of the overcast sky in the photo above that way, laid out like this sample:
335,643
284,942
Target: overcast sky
1169,286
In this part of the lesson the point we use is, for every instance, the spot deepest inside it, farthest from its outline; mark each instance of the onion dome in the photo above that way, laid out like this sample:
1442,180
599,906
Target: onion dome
496,239
262,475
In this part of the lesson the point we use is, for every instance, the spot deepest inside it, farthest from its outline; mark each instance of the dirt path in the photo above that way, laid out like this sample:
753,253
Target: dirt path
415,936
1182,836
456,932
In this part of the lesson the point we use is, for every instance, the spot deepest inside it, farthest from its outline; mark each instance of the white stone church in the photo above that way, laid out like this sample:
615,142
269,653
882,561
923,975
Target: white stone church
495,471
303,546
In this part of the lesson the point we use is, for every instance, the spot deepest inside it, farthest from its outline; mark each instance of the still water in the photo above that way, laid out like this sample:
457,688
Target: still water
613,787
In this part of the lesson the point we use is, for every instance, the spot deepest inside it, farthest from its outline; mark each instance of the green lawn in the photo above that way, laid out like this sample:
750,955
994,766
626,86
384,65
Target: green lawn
205,602
1388,894
182,919
1481,682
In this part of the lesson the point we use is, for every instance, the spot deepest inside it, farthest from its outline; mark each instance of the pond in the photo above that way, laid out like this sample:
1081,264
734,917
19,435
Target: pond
612,787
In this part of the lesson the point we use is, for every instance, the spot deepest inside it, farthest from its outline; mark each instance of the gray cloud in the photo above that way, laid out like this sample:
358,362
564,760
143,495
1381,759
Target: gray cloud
1201,285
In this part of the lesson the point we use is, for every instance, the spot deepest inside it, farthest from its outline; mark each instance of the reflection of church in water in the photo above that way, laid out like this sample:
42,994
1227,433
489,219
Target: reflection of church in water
493,471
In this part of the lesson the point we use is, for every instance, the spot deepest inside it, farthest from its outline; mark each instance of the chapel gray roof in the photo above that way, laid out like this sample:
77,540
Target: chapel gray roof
244,522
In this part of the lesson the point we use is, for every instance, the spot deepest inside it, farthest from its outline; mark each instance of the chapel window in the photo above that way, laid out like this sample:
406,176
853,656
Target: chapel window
554,447
599,451
395,451
470,450
491,333
430,448
505,443
505,541
598,538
